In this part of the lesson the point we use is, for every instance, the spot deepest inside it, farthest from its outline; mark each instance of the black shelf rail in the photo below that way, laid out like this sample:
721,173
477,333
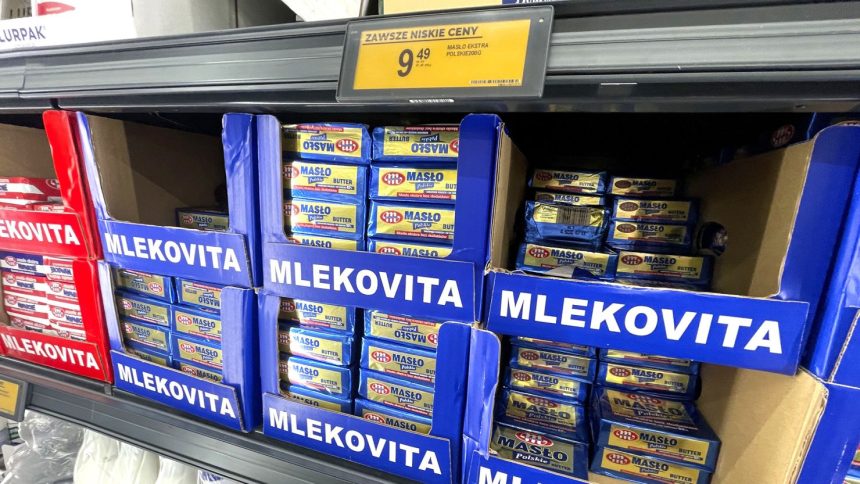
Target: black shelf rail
243,457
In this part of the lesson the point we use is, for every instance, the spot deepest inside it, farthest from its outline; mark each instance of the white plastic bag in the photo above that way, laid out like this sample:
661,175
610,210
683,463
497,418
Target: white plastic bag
206,477
48,453
172,472
96,459
311,10
135,465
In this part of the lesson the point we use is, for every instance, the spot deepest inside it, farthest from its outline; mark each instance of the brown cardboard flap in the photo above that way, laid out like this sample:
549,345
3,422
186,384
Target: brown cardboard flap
25,152
511,181
147,172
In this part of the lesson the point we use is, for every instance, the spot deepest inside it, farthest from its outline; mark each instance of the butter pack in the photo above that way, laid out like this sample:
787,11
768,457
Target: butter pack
26,285
589,182
553,260
409,249
680,269
414,183
58,269
405,330
651,210
144,283
317,399
318,315
398,360
211,219
325,181
681,365
327,242
325,346
328,218
649,237
396,392
557,416
198,351
435,143
554,362
422,222
392,417
22,263
149,354
201,294
643,187
645,469
144,309
671,429
571,199
146,335
565,223
198,371
320,377
545,450
673,384
344,142
543,383
200,323
573,348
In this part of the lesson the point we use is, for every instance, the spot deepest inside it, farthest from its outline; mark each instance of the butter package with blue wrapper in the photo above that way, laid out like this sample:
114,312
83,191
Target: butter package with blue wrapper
198,351
557,261
398,360
200,323
564,418
317,399
146,335
643,187
325,181
201,294
203,218
198,371
413,183
590,182
422,222
325,346
319,217
392,417
540,449
553,362
630,466
681,365
649,237
573,348
318,376
318,315
571,199
565,223
661,211
655,381
148,353
327,242
543,383
144,283
396,392
401,329
646,424
343,142
682,269
144,309
434,143
408,249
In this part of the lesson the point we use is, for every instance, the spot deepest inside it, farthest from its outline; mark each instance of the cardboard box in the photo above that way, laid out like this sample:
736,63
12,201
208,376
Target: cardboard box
139,175
782,211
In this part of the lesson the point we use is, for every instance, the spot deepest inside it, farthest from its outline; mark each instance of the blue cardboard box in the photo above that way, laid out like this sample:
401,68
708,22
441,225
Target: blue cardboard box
136,219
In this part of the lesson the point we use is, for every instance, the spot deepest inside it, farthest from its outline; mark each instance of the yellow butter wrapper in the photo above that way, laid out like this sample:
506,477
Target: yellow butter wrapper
312,401
677,447
326,141
393,393
542,258
319,216
413,183
643,187
325,242
319,315
569,181
570,199
648,379
392,247
307,179
401,329
199,353
151,336
654,470
567,215
429,222
426,143
199,372
152,358
668,211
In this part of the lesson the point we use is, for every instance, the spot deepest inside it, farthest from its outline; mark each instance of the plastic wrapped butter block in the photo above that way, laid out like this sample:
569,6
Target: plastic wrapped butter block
566,224
559,261
564,418
540,449
325,181
401,329
421,222
589,182
396,392
328,218
413,183
343,142
399,360
146,284
682,386
325,346
435,143
392,417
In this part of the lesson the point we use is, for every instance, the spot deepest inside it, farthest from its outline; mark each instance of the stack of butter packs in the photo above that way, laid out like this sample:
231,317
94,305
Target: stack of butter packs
633,230
171,322
405,199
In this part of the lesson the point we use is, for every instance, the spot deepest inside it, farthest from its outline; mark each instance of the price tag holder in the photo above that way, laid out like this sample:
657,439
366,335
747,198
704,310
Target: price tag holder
486,54
13,397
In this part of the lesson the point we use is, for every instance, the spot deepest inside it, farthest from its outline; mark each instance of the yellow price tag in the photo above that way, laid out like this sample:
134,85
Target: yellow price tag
9,397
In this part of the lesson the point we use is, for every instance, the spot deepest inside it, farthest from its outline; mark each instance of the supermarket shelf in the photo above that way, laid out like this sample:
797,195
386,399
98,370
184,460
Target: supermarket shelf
246,458
764,58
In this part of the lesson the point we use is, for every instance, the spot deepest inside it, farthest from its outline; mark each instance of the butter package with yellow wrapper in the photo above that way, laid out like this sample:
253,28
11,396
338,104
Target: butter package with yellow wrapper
211,219
318,315
392,417
401,329
568,224
325,181
326,346
202,294
649,237
526,341
396,392
564,418
198,371
144,309
318,217
343,142
146,335
544,383
316,399
434,143
591,182
554,260
540,449
198,351
319,376
643,187
421,222
149,354
571,199
414,184
554,362
681,365
149,285
398,360
651,210
670,429
671,268
201,323
678,385
408,249
327,242
634,467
